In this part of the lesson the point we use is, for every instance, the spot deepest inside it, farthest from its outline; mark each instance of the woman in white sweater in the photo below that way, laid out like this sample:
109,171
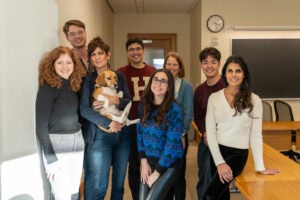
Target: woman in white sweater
233,121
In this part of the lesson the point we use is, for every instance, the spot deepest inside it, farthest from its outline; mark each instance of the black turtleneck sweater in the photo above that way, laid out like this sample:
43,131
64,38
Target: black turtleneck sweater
56,113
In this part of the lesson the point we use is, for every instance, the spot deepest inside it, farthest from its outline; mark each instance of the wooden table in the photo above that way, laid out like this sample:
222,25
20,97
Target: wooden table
280,125
298,141
278,134
297,126
285,185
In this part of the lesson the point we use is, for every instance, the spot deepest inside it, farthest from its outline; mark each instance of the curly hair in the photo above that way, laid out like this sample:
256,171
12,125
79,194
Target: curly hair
178,58
93,44
47,74
148,99
242,99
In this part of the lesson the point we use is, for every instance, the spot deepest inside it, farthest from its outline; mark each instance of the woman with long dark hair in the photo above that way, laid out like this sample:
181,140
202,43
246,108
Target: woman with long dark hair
233,121
159,136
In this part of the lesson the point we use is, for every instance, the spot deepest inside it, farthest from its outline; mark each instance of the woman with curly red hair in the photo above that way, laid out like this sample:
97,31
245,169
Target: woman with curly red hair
57,125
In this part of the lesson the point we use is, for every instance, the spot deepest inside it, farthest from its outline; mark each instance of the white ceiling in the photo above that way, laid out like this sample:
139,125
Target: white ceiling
152,6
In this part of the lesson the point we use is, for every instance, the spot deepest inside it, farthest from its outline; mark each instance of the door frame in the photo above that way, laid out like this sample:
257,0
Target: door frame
168,41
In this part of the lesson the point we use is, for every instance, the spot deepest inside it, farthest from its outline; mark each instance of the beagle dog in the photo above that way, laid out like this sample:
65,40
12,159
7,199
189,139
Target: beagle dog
106,84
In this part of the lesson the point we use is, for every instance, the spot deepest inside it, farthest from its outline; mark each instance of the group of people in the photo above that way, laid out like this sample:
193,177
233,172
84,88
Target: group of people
67,119
229,116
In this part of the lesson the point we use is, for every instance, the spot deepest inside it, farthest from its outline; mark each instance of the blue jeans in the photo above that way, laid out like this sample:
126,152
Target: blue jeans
204,169
108,149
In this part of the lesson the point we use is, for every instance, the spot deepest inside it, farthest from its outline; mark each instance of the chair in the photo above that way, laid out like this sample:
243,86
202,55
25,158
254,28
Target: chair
198,134
283,112
267,112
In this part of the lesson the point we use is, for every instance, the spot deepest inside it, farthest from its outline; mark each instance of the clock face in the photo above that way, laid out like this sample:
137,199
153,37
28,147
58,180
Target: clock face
215,23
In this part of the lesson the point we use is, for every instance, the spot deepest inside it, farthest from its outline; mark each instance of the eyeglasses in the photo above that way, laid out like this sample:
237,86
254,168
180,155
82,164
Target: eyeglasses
161,81
131,50
79,33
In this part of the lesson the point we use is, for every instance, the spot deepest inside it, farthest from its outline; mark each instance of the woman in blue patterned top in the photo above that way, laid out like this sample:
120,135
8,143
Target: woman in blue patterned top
159,136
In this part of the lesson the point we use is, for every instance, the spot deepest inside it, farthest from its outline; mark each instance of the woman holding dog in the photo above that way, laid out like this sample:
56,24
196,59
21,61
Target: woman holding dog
159,136
57,124
103,149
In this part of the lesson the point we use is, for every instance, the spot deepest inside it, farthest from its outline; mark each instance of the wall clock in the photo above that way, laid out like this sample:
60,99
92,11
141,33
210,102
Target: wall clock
215,23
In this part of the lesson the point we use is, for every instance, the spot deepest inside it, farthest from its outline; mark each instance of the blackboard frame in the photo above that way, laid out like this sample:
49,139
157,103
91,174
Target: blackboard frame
274,65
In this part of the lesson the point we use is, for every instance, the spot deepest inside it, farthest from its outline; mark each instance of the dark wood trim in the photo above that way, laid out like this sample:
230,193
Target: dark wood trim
157,38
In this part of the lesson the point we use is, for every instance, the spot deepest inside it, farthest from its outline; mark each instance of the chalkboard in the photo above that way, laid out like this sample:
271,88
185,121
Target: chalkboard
274,65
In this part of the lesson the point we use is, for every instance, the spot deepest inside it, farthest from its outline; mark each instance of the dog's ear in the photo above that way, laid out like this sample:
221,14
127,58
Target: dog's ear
97,81
101,79
115,76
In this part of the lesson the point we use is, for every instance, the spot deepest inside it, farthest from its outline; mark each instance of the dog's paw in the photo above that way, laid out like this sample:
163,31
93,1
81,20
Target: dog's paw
104,129
120,94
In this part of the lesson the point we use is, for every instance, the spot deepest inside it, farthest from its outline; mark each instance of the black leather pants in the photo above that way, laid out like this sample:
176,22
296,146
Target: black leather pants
178,190
160,187
236,159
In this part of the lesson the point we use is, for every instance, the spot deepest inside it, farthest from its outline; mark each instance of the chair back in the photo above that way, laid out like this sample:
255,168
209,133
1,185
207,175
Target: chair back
283,111
198,134
267,112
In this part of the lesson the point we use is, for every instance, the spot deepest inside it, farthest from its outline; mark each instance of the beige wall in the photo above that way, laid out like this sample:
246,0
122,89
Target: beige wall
30,32
191,30
151,23
250,13
26,33
96,15
29,28
196,29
